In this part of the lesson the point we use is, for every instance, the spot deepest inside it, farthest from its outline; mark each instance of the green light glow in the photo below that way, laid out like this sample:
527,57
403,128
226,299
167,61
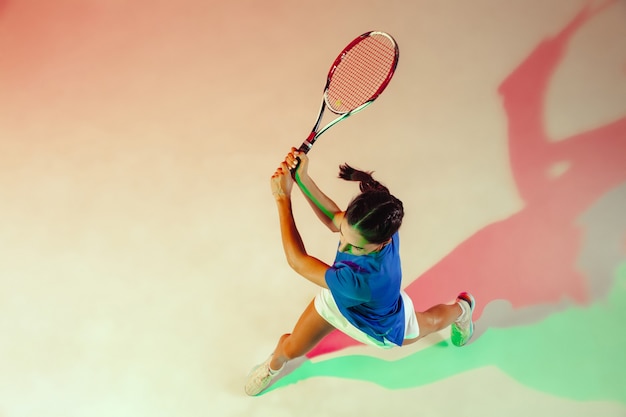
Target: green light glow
310,197
577,353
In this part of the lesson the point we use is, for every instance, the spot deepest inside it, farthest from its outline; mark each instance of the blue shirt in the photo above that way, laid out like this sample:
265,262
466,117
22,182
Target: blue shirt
366,289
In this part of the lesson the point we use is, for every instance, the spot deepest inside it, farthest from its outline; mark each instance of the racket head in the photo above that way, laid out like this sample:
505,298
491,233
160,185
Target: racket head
361,72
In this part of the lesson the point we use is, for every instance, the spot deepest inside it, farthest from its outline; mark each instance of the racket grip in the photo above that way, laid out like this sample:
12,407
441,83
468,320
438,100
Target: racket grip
304,148
293,170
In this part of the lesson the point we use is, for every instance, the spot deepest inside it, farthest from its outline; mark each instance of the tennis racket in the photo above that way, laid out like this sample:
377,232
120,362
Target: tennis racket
356,78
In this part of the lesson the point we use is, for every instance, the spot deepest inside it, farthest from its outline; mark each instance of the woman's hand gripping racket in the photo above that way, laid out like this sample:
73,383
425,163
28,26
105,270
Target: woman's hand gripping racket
356,78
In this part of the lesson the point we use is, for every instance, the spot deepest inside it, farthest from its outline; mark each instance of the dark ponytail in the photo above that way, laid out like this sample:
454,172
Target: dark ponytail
375,213
367,182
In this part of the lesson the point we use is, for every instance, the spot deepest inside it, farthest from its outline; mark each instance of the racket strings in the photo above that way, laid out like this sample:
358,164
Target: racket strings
361,74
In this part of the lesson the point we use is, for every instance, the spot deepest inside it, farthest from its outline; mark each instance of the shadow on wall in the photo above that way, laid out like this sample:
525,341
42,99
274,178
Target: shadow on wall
542,259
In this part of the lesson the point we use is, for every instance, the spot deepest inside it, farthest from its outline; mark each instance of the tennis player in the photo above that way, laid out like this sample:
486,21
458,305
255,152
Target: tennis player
361,291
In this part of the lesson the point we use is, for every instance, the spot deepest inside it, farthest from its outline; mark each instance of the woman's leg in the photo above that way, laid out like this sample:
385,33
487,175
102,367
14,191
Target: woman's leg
308,332
434,319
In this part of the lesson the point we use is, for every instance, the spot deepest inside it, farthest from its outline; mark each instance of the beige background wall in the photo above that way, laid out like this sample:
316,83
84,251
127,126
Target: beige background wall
141,272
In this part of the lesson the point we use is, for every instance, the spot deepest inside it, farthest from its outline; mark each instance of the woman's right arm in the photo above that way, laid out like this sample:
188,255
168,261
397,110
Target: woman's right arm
326,210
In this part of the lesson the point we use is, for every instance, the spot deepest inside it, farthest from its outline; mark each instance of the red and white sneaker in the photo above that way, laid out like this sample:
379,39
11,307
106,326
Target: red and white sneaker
463,328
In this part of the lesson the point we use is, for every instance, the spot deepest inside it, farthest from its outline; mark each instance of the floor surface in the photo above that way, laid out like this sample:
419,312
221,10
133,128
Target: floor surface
141,269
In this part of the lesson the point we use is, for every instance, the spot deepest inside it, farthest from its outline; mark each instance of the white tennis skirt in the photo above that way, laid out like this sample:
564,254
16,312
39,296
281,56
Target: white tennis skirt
327,308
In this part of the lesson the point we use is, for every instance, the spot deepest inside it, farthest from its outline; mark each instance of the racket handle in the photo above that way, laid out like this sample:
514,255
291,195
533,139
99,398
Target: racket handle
293,170
304,148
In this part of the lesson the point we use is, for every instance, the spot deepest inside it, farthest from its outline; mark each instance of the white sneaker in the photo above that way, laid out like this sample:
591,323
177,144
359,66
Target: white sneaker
260,377
463,328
